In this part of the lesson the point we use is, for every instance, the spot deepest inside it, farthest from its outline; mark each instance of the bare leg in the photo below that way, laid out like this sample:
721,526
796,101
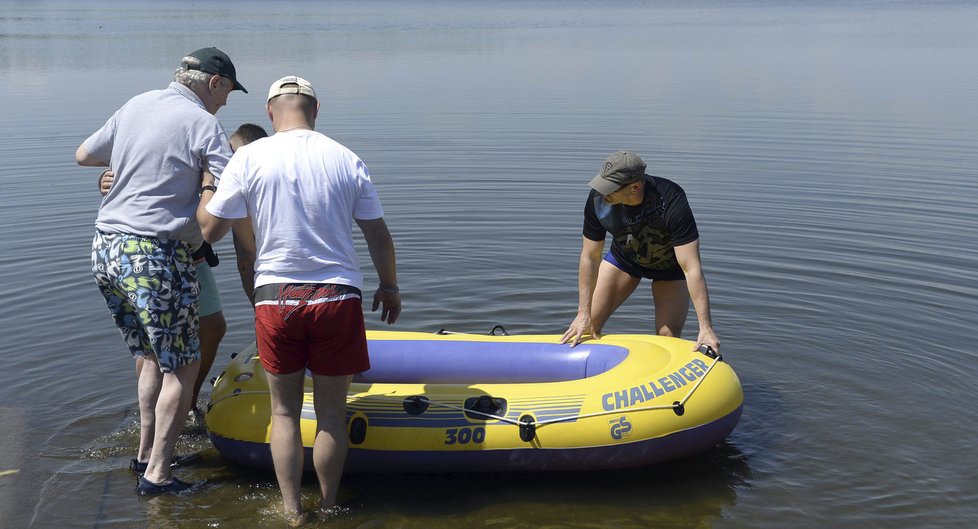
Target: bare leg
148,388
171,408
329,450
286,438
212,329
612,289
671,307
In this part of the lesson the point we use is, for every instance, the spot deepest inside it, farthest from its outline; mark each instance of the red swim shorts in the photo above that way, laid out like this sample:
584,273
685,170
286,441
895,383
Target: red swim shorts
314,326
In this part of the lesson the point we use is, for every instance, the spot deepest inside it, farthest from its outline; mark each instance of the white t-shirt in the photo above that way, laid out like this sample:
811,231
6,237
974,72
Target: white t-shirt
302,191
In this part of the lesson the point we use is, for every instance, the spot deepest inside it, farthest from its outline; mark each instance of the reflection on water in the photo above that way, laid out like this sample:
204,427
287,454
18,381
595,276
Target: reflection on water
688,493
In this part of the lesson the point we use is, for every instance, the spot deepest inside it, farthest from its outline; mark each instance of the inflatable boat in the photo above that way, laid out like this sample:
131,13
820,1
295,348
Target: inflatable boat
461,403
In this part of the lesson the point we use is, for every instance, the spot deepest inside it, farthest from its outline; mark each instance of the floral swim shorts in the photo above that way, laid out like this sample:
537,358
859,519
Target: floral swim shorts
150,286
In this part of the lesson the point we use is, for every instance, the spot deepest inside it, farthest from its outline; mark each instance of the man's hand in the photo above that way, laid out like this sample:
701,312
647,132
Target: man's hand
381,247
580,327
390,298
708,338
105,181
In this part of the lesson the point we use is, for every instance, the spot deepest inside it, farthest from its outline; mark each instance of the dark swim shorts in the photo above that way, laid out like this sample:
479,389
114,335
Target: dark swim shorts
672,274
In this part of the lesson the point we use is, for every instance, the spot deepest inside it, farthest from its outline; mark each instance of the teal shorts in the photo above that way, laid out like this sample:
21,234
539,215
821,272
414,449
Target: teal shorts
209,300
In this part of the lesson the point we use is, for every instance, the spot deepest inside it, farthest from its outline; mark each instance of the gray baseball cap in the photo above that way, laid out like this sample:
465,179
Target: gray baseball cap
621,168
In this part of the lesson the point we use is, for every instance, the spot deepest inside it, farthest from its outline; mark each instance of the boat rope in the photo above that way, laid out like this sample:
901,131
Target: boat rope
676,406
492,332
235,394
716,358
526,421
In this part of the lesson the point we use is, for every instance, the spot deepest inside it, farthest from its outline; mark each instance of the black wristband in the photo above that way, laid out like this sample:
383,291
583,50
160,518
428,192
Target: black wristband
212,189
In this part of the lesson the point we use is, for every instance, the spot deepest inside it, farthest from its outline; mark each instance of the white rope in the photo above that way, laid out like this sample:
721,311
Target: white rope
630,410
213,402
584,415
598,414
700,381
535,423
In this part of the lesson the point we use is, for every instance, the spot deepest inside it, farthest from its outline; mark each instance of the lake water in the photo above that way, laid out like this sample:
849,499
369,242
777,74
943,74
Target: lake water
829,151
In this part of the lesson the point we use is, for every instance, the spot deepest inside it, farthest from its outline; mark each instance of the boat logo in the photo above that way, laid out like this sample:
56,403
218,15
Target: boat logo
620,428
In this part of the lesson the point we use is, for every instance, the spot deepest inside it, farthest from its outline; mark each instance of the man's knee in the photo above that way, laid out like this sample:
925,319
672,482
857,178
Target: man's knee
330,414
287,411
671,323
213,327
670,330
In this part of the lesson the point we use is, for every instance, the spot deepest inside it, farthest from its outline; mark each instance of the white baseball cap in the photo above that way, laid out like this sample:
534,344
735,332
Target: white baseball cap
291,84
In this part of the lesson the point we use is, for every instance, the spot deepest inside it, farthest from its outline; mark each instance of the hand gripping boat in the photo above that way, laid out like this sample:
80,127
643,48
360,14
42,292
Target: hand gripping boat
459,403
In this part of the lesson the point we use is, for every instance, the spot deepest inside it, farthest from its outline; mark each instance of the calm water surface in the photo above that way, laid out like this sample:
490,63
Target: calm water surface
829,154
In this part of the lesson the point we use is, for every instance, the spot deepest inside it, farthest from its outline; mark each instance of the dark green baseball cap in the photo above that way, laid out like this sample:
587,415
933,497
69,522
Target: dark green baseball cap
215,61
619,169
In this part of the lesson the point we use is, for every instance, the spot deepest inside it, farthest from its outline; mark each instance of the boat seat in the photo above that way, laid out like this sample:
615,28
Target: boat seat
463,362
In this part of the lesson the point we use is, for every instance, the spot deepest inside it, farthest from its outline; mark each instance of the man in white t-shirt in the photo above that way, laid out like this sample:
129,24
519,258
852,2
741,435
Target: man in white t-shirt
303,191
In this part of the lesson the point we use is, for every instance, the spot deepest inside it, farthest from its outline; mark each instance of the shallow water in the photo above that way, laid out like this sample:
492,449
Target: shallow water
828,153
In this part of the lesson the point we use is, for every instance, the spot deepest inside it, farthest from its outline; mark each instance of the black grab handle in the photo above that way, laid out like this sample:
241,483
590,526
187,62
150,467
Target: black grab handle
711,352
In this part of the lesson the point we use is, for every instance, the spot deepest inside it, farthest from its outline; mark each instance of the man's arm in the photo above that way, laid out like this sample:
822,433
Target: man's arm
84,158
587,278
381,247
688,256
245,251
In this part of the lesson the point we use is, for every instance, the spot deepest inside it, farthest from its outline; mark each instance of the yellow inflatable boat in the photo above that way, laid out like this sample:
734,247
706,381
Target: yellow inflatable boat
459,402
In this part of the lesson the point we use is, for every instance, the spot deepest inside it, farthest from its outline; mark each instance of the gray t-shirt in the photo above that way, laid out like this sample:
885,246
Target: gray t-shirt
157,144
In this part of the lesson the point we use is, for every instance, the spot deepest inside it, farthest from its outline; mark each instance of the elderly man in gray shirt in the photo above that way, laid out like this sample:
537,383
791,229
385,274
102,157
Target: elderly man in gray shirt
159,144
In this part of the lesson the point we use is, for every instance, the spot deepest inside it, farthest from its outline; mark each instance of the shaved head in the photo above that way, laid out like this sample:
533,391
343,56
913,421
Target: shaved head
287,102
